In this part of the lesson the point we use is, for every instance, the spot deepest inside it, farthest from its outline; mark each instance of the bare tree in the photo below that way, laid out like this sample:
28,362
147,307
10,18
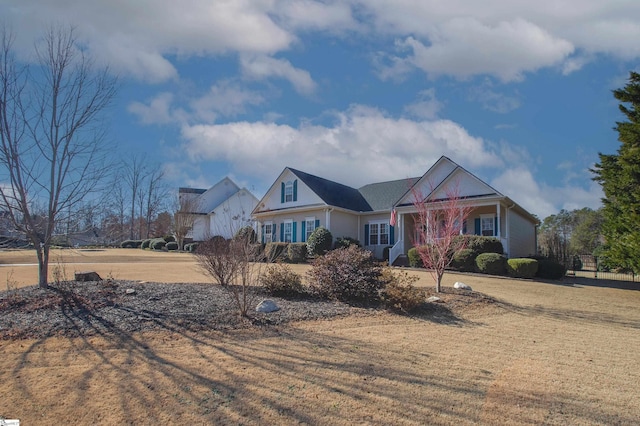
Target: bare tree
439,223
52,152
235,265
133,174
184,217
155,196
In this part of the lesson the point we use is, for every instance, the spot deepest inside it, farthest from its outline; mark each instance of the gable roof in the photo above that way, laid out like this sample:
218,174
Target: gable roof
333,193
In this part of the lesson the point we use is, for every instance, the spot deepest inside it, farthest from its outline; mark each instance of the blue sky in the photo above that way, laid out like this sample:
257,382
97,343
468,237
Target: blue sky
361,91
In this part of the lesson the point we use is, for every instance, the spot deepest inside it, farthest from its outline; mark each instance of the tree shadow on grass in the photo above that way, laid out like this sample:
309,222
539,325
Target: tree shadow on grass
278,374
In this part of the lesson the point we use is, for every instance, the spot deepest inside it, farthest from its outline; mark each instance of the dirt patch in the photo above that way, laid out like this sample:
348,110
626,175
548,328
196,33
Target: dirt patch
77,309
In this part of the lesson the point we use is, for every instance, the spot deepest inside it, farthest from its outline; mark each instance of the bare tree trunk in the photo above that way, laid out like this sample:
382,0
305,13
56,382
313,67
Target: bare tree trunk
51,150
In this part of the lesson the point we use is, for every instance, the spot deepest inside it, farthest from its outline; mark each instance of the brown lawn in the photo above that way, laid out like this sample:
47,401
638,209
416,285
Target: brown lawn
563,353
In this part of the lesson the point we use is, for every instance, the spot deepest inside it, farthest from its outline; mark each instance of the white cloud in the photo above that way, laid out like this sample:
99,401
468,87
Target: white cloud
260,67
157,111
225,99
492,100
363,146
543,200
427,107
464,47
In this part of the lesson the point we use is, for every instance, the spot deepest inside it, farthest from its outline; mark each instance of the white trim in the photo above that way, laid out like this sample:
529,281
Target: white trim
379,234
284,232
493,224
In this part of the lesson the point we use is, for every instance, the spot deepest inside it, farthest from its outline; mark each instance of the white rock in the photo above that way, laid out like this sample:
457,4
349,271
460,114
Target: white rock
267,305
461,286
433,299
130,291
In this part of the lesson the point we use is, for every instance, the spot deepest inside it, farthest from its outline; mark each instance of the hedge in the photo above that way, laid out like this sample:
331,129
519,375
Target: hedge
491,263
464,261
522,267
131,244
297,252
274,252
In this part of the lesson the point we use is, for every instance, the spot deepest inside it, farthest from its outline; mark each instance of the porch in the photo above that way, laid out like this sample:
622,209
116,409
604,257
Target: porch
491,220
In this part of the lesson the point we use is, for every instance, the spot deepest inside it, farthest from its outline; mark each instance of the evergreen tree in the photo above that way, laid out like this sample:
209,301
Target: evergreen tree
619,175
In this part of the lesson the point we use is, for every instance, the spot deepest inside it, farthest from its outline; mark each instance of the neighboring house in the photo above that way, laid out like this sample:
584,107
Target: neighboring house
220,210
298,202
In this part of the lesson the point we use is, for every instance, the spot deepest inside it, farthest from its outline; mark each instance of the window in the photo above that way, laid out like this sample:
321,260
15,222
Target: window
288,231
379,233
268,232
288,192
309,227
487,224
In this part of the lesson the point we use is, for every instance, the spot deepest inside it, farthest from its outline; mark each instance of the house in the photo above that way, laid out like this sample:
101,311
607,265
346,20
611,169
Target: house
220,210
298,202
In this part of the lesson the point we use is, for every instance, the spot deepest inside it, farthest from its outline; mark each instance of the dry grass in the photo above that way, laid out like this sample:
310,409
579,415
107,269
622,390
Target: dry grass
556,354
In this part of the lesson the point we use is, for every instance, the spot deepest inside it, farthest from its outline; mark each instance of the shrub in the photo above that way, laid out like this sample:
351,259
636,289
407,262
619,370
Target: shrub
464,261
414,258
131,244
157,243
399,292
319,241
347,274
274,252
550,269
172,245
191,247
280,280
522,268
145,243
343,242
491,263
480,244
297,252
169,239
576,263
246,233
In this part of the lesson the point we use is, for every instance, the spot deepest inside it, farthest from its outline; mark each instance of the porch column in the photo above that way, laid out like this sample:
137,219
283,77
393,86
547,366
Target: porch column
498,230
327,219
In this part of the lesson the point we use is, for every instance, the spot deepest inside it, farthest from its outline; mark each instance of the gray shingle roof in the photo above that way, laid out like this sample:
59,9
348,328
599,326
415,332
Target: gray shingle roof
191,191
383,195
372,197
333,193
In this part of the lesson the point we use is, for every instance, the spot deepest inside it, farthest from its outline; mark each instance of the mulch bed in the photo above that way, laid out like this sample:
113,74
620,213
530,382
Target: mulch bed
74,309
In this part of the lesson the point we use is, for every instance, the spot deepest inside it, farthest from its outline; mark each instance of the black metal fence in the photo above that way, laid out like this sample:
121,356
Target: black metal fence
589,267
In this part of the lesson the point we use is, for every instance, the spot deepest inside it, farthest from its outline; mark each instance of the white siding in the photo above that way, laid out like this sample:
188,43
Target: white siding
232,214
273,199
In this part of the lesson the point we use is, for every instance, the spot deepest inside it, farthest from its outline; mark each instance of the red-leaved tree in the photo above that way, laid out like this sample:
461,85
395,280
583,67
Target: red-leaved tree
439,223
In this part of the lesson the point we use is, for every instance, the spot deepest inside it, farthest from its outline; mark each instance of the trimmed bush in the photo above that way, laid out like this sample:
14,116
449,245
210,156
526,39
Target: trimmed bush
319,242
157,243
280,280
246,233
550,269
399,292
480,244
491,263
522,268
191,247
145,244
297,252
414,258
274,252
343,242
131,244
347,274
171,245
464,261
169,239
